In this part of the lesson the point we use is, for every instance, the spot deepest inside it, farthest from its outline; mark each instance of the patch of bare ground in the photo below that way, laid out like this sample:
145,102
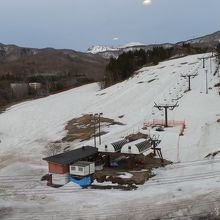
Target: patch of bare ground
212,154
134,137
5,212
140,168
82,128
120,187
149,81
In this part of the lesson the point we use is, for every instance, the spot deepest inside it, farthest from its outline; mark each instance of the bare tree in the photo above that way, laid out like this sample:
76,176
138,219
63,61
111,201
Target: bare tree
52,149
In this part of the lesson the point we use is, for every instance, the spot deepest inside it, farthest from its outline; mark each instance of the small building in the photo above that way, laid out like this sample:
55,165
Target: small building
60,179
137,147
113,147
59,165
35,85
82,168
19,90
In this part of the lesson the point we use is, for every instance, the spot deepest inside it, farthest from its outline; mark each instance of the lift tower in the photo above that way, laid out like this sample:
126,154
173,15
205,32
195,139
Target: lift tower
166,107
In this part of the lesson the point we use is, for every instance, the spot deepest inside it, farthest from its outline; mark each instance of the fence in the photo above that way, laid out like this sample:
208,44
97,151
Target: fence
171,123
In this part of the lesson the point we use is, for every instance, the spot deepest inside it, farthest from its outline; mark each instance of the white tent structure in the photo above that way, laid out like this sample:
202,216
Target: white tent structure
113,146
137,147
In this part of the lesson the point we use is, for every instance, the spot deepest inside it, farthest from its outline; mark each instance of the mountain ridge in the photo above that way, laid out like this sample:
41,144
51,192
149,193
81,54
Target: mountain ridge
209,40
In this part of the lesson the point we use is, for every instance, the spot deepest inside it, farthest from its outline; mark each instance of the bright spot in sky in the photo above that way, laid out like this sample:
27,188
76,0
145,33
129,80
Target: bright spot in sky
115,38
147,2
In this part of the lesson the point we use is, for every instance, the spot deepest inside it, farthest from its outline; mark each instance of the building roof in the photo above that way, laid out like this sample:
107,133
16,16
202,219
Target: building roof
72,156
119,144
144,146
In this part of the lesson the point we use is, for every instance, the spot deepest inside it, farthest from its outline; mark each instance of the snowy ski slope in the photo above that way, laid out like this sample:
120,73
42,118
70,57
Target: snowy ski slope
26,128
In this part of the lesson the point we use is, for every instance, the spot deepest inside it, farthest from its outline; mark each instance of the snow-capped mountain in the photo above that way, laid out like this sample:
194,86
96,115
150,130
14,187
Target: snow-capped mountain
99,49
107,52
210,41
132,44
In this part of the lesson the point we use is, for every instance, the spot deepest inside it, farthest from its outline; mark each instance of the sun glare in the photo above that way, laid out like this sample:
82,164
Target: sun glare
147,2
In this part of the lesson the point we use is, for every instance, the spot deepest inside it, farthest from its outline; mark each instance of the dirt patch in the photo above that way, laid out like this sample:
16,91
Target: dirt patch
134,137
184,63
212,155
139,169
112,175
82,128
101,94
192,63
104,187
151,80
121,116
162,67
6,212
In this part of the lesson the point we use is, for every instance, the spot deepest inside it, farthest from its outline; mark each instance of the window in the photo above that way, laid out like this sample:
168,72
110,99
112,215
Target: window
73,168
129,149
106,148
80,169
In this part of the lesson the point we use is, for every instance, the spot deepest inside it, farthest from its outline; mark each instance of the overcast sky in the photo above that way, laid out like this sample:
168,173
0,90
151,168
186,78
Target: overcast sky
78,24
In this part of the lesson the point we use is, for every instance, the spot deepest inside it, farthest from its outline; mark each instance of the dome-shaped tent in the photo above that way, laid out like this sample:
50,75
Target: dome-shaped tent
137,147
112,147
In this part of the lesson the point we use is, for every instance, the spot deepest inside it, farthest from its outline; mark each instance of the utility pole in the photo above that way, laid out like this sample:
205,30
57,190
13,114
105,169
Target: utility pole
210,57
189,76
203,62
206,80
95,120
100,141
166,107
94,124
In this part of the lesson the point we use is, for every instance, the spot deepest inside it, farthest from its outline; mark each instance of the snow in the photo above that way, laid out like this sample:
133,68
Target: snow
99,49
105,183
26,128
125,175
132,44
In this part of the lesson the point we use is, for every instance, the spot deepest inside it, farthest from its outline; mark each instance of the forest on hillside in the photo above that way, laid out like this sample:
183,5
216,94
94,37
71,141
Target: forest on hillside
123,67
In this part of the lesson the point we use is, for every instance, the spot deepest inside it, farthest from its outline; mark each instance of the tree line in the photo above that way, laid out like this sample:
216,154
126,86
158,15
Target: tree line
123,67
127,63
218,51
50,83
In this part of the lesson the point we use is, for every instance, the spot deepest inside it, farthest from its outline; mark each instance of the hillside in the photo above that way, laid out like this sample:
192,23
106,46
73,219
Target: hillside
21,61
210,40
192,181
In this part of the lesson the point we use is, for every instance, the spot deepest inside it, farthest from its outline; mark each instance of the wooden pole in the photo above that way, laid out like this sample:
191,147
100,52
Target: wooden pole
94,118
99,130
